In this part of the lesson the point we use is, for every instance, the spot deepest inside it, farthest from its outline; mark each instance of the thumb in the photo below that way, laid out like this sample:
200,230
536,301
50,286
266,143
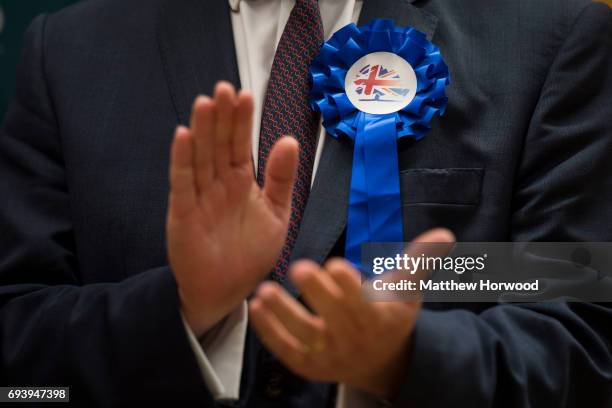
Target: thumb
280,173
437,242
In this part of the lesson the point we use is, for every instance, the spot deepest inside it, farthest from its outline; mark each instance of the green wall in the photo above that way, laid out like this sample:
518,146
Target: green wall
15,15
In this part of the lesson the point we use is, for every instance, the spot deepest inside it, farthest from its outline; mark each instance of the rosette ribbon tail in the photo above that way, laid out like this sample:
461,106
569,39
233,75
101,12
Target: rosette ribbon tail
375,209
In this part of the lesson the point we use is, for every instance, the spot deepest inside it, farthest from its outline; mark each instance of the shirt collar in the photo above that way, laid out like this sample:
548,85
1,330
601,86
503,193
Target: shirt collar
235,4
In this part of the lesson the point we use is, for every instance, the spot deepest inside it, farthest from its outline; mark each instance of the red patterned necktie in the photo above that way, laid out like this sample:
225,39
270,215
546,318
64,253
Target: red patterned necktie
286,110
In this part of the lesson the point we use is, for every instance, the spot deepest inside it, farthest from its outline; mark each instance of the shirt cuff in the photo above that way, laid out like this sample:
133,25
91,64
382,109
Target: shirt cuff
220,354
351,398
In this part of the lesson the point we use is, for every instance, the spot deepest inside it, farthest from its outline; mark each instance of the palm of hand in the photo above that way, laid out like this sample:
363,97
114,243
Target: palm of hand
224,231
228,230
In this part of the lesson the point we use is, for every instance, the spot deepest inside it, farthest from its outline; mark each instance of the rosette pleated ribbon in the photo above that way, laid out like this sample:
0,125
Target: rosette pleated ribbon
375,210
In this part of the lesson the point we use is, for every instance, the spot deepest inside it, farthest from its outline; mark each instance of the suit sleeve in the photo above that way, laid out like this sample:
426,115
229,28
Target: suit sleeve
547,354
114,344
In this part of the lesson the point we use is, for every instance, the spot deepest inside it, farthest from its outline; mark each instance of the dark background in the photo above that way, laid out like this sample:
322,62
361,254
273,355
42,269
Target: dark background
15,15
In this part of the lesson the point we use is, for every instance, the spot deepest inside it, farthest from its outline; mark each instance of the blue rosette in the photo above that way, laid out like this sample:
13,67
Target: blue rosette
366,94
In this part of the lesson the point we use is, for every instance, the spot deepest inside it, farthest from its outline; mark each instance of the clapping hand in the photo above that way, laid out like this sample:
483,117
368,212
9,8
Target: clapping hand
224,232
346,339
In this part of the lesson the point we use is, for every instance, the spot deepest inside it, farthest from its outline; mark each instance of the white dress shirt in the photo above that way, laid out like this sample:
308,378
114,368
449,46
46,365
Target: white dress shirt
257,26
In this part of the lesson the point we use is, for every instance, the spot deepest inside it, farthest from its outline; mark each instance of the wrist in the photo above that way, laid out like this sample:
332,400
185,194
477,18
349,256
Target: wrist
199,318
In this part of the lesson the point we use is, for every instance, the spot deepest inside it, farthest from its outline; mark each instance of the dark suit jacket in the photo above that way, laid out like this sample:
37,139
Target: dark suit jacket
524,153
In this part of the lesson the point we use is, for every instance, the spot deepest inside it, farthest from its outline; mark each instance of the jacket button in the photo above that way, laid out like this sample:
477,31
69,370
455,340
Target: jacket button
274,386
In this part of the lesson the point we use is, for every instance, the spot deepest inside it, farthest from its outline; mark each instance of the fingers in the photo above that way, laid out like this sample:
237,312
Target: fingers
441,236
307,328
360,313
333,294
225,103
222,128
432,243
241,141
275,336
202,127
312,281
348,280
182,178
323,295
280,173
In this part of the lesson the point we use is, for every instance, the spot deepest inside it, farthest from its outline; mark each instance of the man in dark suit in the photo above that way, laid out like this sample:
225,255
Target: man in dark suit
89,299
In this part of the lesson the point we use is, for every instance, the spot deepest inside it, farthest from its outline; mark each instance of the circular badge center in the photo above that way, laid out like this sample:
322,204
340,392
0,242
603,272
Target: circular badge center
380,83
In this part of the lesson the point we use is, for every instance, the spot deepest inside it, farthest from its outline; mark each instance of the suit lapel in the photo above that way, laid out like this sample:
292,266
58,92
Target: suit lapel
196,43
326,212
